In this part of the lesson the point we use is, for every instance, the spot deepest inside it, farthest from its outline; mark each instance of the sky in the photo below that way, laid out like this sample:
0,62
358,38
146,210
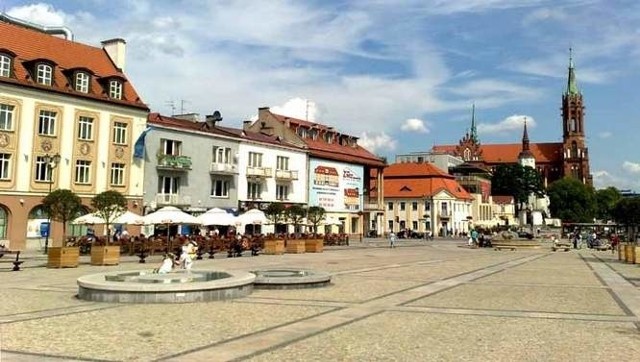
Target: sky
401,74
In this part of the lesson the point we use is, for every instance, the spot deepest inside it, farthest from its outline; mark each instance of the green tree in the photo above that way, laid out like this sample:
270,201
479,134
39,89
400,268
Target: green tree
606,200
627,212
517,181
571,200
295,213
62,205
315,215
109,205
274,212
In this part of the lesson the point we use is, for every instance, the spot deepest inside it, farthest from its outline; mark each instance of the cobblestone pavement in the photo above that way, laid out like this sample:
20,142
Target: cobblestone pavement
433,300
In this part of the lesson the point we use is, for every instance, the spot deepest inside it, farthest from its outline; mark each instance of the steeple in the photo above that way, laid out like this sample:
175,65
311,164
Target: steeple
525,158
572,86
474,132
525,137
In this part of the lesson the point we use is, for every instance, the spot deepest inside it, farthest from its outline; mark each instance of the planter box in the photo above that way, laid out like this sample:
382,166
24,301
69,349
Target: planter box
105,255
620,251
273,247
63,257
313,245
295,246
629,254
636,255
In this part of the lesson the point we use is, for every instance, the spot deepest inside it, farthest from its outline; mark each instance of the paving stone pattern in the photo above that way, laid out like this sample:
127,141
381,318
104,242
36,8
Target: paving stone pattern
420,301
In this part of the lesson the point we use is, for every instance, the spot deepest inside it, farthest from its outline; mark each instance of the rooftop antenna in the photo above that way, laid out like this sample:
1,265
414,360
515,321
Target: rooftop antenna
172,105
306,114
182,103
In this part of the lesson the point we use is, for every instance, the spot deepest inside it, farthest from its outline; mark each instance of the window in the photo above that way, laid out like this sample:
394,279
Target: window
85,128
328,137
282,192
115,89
171,147
402,206
467,154
44,74
119,133
253,190
117,174
414,206
82,82
282,163
390,206
255,159
302,132
3,223
5,166
47,123
168,185
443,209
390,225
5,66
83,168
6,117
314,134
222,155
219,188
43,172
427,206
414,225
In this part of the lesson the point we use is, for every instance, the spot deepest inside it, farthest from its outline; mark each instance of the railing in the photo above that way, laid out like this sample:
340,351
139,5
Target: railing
174,162
259,171
223,168
444,213
372,206
167,199
286,175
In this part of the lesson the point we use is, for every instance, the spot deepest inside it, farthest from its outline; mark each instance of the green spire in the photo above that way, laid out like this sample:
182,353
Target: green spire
572,86
474,132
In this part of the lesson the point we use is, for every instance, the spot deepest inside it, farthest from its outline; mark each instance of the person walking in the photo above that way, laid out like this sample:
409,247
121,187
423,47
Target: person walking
392,240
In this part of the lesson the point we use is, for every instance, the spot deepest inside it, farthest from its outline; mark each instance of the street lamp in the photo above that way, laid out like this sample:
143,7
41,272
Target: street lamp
51,162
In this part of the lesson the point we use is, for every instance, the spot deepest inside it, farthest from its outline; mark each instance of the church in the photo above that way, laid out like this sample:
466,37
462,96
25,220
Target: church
553,160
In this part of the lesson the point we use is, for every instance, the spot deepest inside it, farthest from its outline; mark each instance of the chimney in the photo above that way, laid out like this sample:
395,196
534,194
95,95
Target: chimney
246,125
116,48
263,112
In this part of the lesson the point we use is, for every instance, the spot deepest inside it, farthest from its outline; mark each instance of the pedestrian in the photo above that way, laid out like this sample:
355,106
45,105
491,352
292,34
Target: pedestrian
392,240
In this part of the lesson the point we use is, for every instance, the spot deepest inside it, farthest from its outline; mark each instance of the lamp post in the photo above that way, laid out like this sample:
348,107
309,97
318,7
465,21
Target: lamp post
51,162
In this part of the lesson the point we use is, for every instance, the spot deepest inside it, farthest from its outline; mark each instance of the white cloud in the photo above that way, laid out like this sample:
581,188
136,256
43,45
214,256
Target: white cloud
603,179
631,167
493,92
414,125
41,14
545,14
299,108
510,124
377,142
605,134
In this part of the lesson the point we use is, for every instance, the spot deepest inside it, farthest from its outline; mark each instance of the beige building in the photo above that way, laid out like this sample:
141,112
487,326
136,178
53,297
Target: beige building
69,118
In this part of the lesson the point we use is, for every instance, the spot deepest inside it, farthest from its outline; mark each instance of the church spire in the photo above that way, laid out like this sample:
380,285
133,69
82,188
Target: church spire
474,132
572,86
525,137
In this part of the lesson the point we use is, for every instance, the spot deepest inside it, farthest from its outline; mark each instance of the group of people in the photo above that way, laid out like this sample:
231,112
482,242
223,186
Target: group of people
184,261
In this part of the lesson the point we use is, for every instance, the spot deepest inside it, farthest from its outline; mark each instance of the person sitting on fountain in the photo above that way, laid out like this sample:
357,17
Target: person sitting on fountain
167,263
189,250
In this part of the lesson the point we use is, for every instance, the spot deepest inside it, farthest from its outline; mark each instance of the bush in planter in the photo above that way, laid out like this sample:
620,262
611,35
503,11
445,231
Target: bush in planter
62,205
109,205
315,215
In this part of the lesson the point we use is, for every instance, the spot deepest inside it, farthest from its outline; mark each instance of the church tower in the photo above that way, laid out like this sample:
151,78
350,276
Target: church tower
575,155
525,158
468,147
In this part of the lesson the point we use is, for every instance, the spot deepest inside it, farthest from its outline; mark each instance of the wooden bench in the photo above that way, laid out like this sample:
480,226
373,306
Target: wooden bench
17,262
501,247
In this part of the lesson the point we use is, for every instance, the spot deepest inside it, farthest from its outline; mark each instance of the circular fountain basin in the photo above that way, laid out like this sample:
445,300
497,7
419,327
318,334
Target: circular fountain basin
290,278
143,286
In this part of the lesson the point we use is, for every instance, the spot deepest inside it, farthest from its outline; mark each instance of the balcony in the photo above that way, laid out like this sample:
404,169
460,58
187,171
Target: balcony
172,162
223,168
286,175
372,206
172,199
444,214
261,172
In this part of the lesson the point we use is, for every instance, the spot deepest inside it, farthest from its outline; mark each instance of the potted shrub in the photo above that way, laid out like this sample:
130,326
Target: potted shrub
108,206
273,245
62,205
315,215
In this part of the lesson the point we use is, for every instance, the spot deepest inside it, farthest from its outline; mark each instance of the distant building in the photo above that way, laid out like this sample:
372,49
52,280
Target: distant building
442,160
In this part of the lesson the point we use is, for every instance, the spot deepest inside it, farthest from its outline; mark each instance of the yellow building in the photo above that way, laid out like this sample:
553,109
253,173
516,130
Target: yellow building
69,119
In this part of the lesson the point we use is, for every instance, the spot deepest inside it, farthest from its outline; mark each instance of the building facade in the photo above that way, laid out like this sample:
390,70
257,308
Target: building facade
68,120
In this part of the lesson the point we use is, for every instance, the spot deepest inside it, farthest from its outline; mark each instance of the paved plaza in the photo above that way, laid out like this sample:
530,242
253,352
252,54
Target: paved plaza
421,301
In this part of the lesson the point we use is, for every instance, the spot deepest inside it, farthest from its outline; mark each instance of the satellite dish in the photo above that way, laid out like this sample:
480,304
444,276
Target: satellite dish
217,116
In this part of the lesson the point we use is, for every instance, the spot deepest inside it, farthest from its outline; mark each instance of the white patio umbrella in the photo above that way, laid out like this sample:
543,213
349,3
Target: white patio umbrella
253,216
217,216
91,218
170,215
129,218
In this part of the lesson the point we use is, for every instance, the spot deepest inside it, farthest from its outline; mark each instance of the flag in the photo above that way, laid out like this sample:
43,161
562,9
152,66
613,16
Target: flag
138,147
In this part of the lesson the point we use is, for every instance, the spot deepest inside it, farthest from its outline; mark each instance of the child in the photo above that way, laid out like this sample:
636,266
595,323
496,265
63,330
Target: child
167,263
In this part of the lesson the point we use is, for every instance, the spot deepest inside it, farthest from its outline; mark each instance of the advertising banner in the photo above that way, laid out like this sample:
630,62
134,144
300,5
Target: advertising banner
336,186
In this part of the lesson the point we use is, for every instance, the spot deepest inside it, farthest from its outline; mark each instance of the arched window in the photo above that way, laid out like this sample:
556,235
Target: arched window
574,149
5,65
4,221
572,125
466,154
38,212
44,74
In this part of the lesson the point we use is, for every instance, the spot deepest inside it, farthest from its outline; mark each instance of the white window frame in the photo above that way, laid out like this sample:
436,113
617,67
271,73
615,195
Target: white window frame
117,174
82,82
414,206
254,190
85,128
115,89
44,74
222,155
255,159
222,186
403,206
5,65
282,163
47,122
6,117
171,147
43,171
390,206
120,133
82,172
282,192
173,185
5,166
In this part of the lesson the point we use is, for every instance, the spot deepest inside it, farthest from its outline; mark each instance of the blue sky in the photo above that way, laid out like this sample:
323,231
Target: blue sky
401,74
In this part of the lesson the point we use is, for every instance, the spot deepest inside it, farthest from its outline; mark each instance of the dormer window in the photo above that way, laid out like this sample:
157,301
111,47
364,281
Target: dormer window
44,74
302,132
82,82
115,89
5,65
314,134
328,137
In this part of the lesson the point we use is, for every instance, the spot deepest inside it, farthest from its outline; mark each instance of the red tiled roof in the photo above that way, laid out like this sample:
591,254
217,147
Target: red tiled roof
414,169
29,45
333,151
502,200
508,152
423,187
323,170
